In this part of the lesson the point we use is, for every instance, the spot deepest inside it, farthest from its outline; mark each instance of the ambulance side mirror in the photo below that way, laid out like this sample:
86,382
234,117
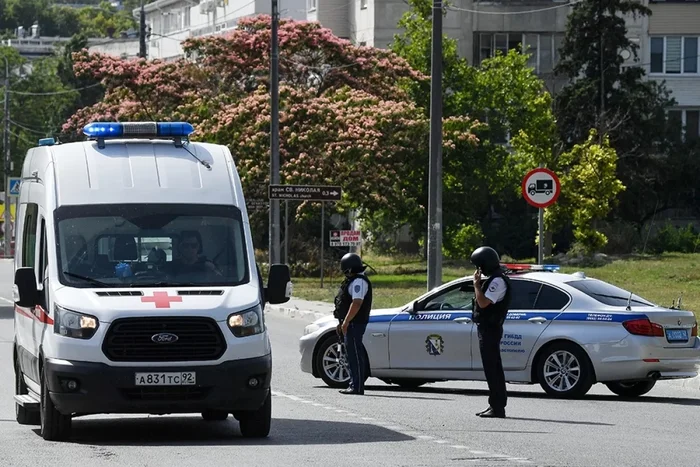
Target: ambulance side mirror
25,280
279,284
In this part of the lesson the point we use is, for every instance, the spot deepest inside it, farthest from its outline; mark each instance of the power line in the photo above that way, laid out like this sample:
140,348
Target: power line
55,93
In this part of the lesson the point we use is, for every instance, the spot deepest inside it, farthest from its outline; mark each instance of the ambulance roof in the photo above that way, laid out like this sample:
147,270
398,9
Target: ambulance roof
139,170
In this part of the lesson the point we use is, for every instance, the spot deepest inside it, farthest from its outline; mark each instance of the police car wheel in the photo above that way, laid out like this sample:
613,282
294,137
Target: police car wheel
22,415
331,362
256,424
563,370
54,425
214,415
635,389
332,365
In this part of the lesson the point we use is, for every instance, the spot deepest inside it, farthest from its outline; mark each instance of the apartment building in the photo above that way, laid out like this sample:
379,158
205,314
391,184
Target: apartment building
172,21
671,48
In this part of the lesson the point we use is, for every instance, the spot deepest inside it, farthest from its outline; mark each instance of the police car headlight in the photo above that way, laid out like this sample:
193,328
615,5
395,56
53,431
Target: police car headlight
246,323
311,328
73,324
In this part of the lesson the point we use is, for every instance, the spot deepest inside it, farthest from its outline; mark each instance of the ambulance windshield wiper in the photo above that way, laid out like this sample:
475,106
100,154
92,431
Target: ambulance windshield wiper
85,278
162,284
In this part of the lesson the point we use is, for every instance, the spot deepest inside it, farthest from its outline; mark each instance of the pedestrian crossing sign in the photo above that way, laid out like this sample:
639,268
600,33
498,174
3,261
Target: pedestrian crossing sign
13,183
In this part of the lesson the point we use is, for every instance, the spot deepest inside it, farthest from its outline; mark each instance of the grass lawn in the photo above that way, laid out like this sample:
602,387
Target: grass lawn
660,279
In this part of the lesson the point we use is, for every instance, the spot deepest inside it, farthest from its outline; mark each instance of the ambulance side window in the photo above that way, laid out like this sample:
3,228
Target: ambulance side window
43,254
29,235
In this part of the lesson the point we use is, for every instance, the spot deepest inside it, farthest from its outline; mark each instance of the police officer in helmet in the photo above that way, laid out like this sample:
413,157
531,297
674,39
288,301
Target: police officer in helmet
490,309
352,306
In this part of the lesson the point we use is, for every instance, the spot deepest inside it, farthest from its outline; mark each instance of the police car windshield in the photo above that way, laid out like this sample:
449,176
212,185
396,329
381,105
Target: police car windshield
607,294
142,245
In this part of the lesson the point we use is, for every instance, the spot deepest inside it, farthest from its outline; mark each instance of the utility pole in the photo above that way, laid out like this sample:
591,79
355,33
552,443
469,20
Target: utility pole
274,231
435,171
6,144
142,33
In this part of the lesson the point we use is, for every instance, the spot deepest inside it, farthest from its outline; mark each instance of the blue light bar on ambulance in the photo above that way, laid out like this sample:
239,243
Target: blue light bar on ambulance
104,130
531,267
47,142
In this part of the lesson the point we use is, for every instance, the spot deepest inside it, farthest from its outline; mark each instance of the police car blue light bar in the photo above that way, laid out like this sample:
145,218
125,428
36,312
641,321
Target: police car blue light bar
531,267
47,142
105,130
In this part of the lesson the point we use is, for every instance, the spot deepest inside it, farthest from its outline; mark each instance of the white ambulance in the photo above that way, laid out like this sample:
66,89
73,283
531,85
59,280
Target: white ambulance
136,287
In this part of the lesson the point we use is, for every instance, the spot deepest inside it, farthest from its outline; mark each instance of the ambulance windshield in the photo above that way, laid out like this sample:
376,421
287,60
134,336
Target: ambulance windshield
142,245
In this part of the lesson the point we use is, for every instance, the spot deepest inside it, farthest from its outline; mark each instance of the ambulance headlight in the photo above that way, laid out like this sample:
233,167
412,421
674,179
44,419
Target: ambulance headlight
246,323
73,324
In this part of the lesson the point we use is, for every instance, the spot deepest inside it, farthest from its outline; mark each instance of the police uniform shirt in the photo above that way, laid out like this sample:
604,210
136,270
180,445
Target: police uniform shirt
358,289
496,290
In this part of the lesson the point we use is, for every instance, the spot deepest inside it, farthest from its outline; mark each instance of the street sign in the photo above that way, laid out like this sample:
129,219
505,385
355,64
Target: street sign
13,183
541,187
346,238
305,192
256,204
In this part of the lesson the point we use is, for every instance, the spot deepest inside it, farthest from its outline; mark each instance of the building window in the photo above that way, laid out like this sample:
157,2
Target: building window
685,124
543,49
674,55
363,4
311,4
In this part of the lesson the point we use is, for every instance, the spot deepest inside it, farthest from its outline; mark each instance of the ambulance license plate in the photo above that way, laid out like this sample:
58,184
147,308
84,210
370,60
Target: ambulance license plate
185,378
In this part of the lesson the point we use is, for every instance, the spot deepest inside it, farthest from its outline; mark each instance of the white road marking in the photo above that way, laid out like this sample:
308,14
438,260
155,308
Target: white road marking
414,434
7,300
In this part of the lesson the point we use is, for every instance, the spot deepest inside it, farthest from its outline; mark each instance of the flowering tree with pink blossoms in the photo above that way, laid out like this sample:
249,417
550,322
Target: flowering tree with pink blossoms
344,118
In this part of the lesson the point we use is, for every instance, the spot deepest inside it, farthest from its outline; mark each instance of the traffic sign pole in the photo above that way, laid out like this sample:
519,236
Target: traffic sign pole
323,237
541,188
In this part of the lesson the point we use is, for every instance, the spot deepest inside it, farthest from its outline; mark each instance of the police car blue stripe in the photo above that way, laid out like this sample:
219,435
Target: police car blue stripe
445,315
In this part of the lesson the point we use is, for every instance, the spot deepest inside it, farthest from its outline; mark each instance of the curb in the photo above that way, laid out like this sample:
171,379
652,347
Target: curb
304,315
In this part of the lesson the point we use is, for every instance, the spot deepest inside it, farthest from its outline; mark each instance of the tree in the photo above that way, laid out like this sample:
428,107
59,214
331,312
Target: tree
631,111
589,188
343,120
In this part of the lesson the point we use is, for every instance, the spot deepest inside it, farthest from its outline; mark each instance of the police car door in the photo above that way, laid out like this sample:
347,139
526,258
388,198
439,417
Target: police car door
437,336
533,307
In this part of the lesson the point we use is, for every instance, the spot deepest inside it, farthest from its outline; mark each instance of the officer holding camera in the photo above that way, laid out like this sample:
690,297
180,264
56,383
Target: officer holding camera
490,309
352,307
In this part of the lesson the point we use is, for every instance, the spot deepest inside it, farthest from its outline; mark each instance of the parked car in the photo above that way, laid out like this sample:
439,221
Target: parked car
564,332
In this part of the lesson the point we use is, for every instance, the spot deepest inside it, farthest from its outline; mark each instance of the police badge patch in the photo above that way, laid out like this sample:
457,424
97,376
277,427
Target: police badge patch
357,288
434,344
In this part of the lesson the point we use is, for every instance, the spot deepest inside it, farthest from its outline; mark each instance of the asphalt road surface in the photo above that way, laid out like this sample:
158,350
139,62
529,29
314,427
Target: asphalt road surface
434,426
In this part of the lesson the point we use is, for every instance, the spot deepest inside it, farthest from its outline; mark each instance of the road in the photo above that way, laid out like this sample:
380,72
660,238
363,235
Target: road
432,426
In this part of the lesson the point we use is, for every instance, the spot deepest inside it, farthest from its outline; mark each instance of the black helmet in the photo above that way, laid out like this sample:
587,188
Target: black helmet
486,259
351,263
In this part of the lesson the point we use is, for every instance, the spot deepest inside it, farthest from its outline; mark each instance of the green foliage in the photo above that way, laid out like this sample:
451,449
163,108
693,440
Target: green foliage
632,112
461,240
589,188
672,239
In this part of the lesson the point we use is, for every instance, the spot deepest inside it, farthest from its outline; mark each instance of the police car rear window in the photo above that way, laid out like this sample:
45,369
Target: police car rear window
607,294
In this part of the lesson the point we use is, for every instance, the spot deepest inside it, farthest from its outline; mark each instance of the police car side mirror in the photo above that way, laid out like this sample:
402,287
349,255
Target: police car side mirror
279,284
413,308
25,280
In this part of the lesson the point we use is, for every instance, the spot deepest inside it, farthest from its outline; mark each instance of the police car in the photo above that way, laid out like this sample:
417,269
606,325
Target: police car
563,331
136,288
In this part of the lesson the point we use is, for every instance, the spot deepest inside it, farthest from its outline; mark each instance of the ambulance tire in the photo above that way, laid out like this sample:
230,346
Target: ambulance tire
23,416
54,425
256,424
214,415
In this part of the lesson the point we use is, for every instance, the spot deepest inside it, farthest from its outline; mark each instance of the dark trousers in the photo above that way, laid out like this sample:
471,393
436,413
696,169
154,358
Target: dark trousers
490,348
356,355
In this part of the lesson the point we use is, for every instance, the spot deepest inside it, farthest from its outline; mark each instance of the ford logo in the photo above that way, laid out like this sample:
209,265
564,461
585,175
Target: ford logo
164,338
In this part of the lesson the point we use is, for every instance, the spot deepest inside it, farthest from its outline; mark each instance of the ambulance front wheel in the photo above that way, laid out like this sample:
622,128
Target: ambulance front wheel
54,425
256,424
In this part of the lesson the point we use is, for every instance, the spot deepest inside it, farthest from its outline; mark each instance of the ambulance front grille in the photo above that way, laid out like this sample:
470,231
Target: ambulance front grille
131,340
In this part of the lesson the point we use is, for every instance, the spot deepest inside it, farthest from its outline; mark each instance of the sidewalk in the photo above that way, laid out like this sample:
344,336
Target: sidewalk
303,309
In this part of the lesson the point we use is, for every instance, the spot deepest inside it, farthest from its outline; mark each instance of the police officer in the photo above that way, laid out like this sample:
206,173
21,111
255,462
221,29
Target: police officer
490,309
352,306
